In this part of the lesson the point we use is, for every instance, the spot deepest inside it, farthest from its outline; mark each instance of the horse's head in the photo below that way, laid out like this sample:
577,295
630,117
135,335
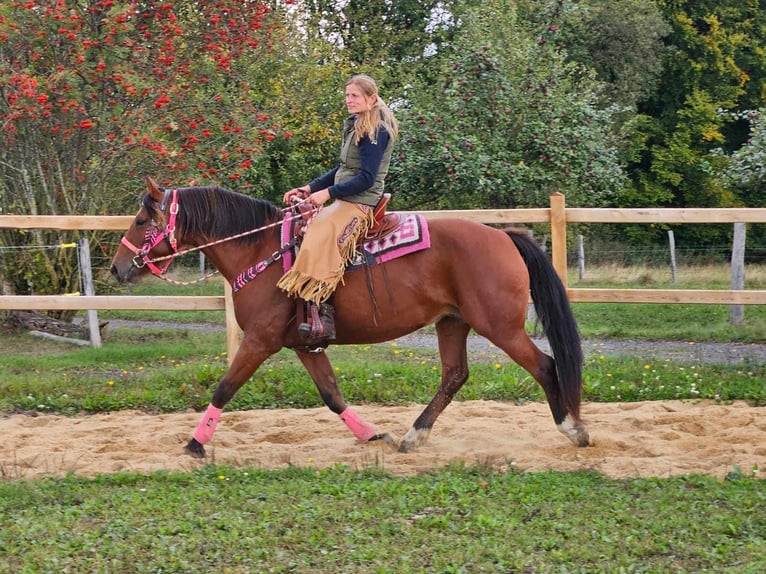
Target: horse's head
149,237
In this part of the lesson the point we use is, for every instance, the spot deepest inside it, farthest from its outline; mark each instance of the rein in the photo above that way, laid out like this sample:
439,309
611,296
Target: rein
154,237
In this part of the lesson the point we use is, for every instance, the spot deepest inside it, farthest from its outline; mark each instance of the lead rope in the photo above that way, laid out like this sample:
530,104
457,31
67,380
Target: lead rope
200,280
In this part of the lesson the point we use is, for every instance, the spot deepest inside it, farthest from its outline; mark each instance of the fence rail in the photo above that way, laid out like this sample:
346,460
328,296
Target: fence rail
557,216
109,302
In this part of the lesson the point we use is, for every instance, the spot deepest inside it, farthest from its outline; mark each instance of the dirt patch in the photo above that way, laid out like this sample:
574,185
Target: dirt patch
629,439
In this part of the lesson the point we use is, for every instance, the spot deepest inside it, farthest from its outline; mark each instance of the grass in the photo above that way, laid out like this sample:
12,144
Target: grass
458,519
711,276
668,321
164,370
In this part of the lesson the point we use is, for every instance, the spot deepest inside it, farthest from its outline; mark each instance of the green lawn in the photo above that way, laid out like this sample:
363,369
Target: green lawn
456,520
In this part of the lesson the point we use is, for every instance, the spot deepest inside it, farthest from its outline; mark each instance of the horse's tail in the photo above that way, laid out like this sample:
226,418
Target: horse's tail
555,314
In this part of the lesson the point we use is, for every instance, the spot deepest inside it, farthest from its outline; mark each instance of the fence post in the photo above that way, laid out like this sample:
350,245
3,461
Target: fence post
233,333
580,257
672,247
559,235
87,282
737,312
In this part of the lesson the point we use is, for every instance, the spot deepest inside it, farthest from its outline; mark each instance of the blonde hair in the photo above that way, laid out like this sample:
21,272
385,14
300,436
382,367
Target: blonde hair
369,122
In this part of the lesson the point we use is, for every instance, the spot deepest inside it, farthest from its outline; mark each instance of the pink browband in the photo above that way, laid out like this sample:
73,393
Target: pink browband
153,238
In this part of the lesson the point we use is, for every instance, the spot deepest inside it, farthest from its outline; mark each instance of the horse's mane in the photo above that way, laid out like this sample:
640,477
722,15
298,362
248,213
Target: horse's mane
211,213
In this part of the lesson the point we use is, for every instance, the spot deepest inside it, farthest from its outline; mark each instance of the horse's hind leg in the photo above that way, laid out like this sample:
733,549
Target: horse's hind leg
452,333
542,367
321,372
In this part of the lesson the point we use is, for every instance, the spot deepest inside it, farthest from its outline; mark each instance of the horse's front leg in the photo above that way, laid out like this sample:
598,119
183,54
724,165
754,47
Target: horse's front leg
249,357
321,372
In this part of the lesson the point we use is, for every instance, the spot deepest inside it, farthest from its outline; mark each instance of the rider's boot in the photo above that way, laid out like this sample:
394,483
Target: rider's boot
327,318
319,327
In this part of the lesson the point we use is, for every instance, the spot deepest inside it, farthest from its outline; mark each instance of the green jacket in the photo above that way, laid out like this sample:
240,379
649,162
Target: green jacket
351,164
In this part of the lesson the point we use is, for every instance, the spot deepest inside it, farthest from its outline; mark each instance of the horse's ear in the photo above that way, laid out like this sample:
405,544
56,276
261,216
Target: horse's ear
153,189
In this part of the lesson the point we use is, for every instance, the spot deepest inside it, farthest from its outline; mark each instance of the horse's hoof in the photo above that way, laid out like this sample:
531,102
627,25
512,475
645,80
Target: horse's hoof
577,433
581,437
413,439
195,448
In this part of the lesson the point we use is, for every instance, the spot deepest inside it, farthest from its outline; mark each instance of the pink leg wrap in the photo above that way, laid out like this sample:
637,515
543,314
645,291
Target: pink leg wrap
362,430
206,427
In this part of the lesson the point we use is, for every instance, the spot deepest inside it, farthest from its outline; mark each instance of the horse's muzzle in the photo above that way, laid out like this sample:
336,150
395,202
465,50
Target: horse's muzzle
126,276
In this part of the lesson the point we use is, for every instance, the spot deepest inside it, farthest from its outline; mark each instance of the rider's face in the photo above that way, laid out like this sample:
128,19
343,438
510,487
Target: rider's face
356,101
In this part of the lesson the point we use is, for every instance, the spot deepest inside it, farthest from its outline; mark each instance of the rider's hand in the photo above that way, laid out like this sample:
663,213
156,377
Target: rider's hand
296,194
319,197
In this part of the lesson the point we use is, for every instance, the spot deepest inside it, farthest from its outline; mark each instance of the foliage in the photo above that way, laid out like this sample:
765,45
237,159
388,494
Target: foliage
508,123
621,41
500,102
712,71
302,83
744,170
747,170
709,66
389,39
94,94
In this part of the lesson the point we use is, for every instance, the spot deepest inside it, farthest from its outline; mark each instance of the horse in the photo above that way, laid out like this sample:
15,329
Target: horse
472,277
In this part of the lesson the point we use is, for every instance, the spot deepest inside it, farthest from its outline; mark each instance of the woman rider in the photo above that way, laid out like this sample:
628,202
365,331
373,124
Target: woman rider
356,184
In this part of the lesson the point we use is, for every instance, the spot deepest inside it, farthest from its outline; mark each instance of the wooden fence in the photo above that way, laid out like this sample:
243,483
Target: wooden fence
557,216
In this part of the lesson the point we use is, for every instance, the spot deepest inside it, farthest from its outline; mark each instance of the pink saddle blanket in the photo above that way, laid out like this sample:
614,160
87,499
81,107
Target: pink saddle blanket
409,237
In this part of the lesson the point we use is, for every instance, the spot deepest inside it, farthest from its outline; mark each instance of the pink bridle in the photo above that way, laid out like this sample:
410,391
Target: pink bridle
153,238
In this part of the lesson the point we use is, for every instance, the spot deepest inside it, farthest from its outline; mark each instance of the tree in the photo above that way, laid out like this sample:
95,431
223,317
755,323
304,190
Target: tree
388,39
746,171
301,85
710,44
97,93
621,41
509,123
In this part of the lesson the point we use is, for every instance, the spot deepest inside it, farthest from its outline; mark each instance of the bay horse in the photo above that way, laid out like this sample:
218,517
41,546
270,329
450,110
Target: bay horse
471,277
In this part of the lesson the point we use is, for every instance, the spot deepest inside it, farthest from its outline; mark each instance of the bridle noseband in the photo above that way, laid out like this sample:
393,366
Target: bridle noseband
154,237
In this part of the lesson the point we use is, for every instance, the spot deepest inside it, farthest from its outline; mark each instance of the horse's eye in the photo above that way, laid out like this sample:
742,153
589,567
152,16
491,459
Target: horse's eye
141,221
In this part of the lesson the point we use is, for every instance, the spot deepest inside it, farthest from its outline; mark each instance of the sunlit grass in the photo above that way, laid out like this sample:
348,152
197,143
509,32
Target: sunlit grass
179,371
711,276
